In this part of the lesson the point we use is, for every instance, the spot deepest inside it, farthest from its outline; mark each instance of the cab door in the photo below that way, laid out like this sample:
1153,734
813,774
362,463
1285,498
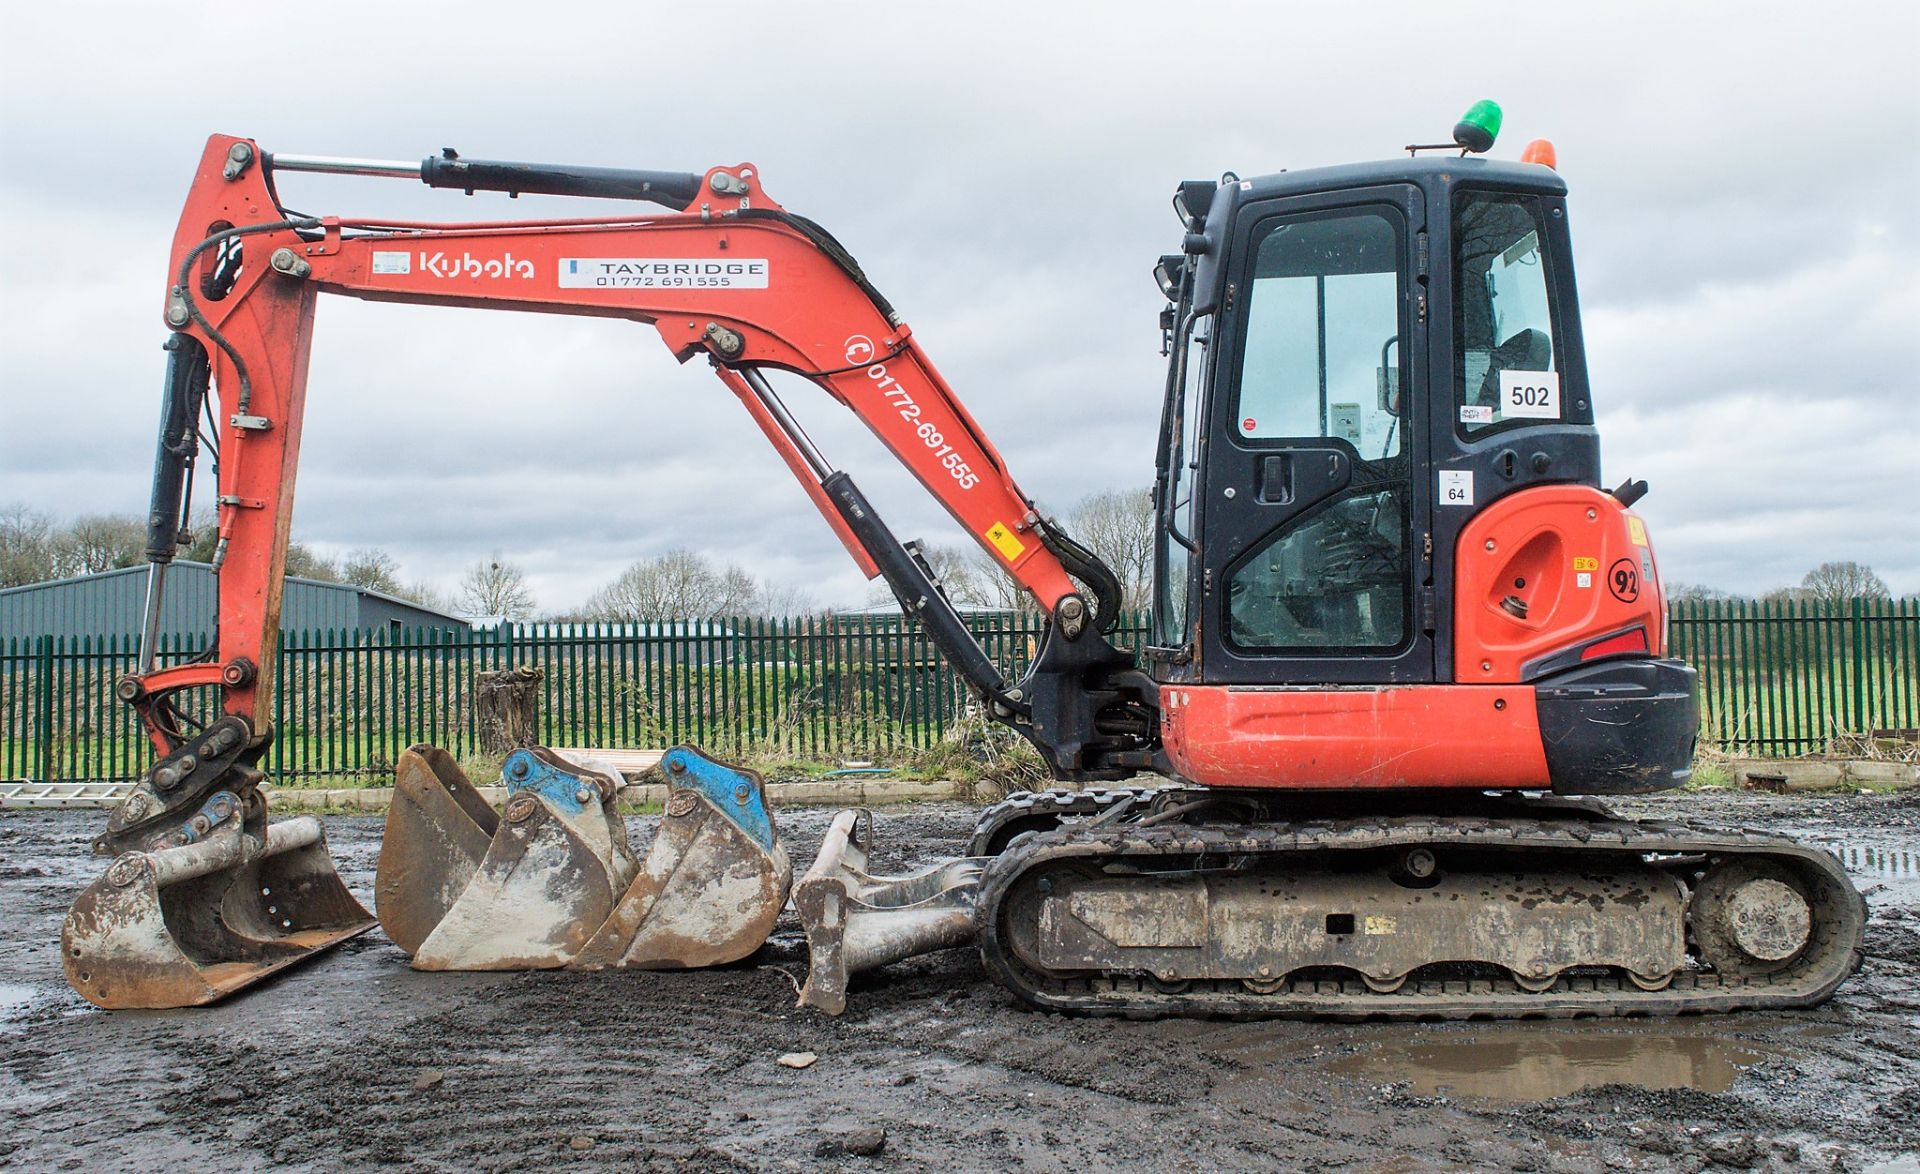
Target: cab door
1315,562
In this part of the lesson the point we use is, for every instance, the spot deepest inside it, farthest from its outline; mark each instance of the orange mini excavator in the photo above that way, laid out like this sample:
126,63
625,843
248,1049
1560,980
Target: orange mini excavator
1400,631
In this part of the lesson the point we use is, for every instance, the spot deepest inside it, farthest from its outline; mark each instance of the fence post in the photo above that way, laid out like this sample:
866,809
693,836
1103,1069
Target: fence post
1861,725
43,719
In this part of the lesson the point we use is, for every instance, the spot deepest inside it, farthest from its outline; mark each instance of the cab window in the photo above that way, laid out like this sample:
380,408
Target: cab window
1508,366
1322,337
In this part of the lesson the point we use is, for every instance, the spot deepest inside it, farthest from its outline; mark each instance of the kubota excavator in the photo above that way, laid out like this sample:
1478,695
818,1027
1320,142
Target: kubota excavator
1399,631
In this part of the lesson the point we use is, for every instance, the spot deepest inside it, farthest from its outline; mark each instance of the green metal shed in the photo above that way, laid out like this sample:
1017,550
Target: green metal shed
109,604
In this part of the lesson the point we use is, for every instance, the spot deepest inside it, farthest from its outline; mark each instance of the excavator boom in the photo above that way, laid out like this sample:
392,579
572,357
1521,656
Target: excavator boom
723,272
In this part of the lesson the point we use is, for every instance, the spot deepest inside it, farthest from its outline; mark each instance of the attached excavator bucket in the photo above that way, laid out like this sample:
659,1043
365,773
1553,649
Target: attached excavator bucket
185,925
552,882
856,921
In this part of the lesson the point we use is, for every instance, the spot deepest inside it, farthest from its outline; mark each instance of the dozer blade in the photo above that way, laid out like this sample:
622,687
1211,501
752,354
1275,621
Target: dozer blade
714,881
186,925
545,880
856,921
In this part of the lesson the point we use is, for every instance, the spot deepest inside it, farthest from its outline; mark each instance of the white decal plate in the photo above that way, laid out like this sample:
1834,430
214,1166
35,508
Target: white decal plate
1346,422
1456,487
392,262
1470,414
1530,395
663,272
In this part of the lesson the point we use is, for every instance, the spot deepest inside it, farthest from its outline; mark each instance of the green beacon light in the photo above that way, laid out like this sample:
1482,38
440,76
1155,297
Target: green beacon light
1478,127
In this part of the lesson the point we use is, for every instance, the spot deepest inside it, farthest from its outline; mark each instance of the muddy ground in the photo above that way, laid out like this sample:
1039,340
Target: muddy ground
356,1061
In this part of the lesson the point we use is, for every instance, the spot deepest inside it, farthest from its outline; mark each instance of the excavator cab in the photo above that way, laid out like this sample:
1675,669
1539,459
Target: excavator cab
1379,495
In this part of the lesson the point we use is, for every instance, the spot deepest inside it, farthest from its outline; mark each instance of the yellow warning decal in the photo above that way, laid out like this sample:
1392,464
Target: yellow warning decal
1010,548
1380,926
1582,563
1636,530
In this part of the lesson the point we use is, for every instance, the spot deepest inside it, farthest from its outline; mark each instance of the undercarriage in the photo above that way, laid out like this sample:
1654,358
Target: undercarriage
1178,902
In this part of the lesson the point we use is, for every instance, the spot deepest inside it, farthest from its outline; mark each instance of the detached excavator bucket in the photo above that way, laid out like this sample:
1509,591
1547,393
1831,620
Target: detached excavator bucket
715,878
462,889
856,921
188,924
552,882
438,829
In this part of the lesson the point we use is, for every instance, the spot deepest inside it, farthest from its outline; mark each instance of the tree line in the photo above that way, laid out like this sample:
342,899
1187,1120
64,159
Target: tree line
1831,583
676,585
682,585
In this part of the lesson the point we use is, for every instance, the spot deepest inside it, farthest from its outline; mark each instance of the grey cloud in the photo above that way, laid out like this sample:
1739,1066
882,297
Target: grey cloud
1003,173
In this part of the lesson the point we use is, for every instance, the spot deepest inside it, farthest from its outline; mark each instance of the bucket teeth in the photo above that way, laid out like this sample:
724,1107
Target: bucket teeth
856,921
552,881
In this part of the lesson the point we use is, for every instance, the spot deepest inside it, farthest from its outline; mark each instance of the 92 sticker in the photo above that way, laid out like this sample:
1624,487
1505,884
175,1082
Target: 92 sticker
1530,395
1623,579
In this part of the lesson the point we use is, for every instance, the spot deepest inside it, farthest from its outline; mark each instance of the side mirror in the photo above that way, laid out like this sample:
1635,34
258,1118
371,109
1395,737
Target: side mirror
1167,273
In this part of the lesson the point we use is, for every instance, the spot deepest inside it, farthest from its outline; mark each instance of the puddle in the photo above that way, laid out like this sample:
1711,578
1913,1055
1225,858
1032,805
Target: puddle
1892,863
1519,1065
16,997
1893,868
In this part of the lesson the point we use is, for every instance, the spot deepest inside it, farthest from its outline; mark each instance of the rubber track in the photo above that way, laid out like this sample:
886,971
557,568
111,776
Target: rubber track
1058,803
1834,952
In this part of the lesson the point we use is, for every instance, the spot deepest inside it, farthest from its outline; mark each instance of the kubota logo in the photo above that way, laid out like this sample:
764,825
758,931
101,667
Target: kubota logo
468,265
859,349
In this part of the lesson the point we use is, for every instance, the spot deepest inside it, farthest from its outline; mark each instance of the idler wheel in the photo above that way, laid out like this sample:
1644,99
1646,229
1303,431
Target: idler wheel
1750,918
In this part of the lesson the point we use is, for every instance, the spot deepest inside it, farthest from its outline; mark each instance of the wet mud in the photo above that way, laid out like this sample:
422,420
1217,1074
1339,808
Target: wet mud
356,1061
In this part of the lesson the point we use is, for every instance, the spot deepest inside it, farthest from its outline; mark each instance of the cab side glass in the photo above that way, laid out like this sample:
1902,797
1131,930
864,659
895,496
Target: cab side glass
1507,367
1178,519
1322,346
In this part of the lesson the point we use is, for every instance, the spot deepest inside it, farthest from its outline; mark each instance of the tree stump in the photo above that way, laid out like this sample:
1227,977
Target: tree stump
508,704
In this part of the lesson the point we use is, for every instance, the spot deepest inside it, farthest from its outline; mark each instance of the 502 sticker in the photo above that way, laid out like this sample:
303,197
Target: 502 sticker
1530,395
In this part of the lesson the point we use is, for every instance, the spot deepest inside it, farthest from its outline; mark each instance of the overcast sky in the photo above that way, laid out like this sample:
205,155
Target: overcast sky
1743,179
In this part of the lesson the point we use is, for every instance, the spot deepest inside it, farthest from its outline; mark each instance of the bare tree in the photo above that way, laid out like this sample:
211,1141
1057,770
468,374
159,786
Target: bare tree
495,588
303,563
737,592
429,597
99,542
1843,582
784,599
1118,527
1677,592
677,585
372,568
26,546
994,587
969,577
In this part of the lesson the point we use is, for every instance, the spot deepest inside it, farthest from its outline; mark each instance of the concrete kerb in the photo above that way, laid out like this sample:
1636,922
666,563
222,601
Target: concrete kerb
864,792
1799,774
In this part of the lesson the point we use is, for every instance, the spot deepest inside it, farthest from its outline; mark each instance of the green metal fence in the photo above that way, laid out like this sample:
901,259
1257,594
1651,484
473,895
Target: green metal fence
346,703
1776,679
1781,678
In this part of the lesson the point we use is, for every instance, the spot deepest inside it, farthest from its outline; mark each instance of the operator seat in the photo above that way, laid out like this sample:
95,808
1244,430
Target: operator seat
1526,350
